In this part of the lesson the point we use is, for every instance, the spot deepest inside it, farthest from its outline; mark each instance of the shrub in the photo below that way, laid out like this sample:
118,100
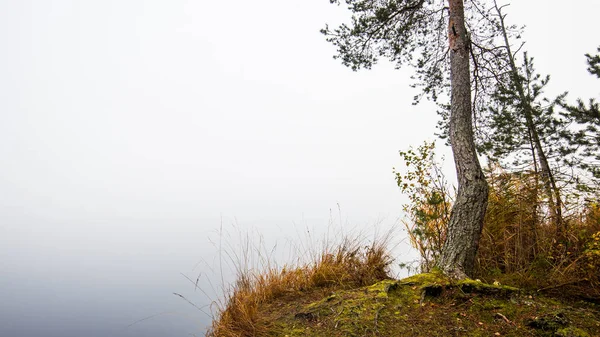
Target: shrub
519,243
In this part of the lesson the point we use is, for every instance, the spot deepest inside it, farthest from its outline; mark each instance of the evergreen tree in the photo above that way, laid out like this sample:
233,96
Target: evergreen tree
512,119
524,128
594,63
586,136
432,35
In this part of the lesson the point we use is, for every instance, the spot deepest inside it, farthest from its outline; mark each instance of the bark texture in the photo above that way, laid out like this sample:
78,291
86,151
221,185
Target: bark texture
466,221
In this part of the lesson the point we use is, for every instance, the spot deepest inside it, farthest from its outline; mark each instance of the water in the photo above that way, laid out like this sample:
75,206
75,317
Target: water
97,279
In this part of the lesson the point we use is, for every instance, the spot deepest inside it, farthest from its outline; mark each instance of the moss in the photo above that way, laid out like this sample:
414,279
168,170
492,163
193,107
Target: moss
469,285
381,289
571,332
433,278
430,305
549,322
494,304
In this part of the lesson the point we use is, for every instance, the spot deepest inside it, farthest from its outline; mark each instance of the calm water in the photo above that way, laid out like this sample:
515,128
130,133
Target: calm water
113,278
96,280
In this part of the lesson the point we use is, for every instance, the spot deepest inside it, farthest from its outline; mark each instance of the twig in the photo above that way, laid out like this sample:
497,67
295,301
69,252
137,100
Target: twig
194,305
503,317
376,318
562,284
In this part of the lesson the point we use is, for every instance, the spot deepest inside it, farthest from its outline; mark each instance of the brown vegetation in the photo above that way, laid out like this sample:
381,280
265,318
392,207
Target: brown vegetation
520,244
350,265
340,294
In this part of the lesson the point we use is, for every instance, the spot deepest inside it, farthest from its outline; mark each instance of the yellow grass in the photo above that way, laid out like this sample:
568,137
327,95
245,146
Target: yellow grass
349,265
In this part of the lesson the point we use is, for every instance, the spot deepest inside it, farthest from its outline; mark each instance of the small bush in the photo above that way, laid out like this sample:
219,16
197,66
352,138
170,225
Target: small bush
519,244
430,202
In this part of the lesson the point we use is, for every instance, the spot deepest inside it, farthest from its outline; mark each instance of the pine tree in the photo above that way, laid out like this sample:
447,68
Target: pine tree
586,136
434,38
539,122
512,120
523,127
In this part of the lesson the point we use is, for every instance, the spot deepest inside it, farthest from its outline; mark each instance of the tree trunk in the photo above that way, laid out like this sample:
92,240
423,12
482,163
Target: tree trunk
533,246
549,182
466,221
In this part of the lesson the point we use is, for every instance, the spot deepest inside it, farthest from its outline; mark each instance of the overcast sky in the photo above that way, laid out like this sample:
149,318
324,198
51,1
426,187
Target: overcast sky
130,130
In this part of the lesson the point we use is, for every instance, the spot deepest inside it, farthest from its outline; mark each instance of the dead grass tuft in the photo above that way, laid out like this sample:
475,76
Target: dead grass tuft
349,265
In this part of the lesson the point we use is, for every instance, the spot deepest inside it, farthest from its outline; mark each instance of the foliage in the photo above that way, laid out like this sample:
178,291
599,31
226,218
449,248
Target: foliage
592,255
414,33
513,120
433,36
509,241
519,244
430,202
590,264
395,29
593,62
586,134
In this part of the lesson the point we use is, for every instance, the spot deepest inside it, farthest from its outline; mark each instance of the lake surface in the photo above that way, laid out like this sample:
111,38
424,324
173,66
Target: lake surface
111,277
95,280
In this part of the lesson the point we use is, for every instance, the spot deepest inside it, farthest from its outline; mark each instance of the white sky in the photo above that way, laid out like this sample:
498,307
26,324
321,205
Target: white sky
128,129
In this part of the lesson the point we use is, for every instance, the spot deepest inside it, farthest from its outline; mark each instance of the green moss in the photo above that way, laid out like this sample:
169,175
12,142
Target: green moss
495,304
571,332
433,278
469,285
381,289
430,305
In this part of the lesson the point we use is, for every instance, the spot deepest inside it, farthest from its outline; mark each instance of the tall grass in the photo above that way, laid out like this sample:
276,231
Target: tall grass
349,263
520,244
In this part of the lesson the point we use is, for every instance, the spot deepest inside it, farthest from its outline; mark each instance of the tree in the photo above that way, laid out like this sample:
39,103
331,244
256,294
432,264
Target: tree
517,90
587,117
526,130
512,122
403,30
594,63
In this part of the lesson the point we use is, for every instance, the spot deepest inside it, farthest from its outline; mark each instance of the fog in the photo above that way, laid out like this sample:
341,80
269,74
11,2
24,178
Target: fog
140,140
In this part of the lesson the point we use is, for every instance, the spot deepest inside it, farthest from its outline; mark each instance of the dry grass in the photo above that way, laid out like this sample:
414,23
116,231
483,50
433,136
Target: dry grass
348,265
